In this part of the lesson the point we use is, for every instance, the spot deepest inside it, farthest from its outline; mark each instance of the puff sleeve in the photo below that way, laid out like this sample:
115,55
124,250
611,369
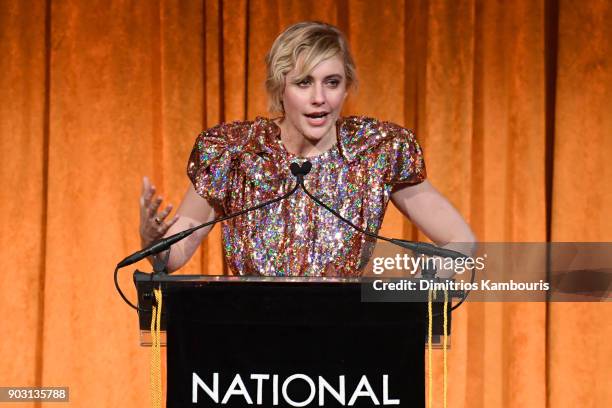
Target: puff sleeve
406,162
211,161
393,152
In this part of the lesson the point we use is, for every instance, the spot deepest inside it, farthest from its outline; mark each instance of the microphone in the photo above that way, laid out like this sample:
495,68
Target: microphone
299,171
160,245
419,247
165,243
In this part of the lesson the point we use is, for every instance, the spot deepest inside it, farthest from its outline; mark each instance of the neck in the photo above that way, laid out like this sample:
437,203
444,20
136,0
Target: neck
300,144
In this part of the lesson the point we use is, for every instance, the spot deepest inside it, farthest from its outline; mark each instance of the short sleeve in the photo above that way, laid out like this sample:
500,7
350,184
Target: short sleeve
406,162
211,161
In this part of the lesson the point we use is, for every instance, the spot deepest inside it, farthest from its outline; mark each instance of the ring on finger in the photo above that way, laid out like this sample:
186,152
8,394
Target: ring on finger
157,220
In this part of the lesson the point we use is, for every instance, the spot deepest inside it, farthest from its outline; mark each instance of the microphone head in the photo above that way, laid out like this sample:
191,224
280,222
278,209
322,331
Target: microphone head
296,169
306,167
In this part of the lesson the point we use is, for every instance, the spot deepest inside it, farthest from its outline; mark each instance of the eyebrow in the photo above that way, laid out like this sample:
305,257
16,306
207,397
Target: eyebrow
332,76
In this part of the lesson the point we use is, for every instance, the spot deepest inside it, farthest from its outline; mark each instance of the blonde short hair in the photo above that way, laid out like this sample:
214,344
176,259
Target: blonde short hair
317,42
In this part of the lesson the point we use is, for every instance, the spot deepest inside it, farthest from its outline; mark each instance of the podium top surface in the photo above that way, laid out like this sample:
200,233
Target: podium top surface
163,278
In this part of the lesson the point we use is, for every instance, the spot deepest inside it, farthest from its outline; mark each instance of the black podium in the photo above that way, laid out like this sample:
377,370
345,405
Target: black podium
286,342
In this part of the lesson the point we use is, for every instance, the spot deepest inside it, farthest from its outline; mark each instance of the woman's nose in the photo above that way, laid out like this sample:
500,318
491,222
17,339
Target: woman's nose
318,94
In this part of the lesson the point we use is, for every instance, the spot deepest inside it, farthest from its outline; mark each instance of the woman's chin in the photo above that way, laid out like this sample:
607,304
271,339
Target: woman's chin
315,133
314,138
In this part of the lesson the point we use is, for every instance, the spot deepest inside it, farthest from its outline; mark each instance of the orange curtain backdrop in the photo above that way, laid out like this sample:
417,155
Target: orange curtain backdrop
582,198
510,100
24,150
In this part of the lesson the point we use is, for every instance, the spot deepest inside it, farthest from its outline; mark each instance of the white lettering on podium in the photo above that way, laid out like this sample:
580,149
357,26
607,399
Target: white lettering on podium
259,378
196,382
238,388
339,395
363,383
386,400
311,384
275,389
237,383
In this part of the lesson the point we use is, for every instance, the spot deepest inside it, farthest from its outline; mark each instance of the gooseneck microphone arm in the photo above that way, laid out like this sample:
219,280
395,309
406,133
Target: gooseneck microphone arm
420,247
165,243
299,171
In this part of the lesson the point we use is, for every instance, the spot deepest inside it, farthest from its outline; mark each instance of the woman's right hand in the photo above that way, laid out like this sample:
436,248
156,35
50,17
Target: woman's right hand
152,223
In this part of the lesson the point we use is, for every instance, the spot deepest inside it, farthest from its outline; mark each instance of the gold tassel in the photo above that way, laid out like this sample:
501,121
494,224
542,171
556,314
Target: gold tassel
156,380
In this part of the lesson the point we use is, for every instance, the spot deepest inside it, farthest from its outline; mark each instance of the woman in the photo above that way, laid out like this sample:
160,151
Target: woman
358,165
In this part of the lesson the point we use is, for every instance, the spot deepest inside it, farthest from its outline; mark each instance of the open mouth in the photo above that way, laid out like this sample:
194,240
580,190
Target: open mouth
316,115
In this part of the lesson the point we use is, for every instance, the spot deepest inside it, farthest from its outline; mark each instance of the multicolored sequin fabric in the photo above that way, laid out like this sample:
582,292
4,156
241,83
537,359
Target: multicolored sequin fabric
241,164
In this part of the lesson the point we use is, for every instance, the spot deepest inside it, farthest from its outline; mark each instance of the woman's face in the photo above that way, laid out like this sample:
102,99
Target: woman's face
313,104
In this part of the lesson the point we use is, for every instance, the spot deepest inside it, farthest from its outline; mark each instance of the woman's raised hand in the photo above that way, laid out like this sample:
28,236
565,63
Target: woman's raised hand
153,224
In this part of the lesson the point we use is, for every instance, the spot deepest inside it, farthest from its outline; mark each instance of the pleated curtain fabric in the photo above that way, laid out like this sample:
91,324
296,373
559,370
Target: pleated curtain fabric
511,101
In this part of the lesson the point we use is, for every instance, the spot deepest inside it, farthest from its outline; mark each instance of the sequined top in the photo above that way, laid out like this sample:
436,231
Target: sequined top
241,164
